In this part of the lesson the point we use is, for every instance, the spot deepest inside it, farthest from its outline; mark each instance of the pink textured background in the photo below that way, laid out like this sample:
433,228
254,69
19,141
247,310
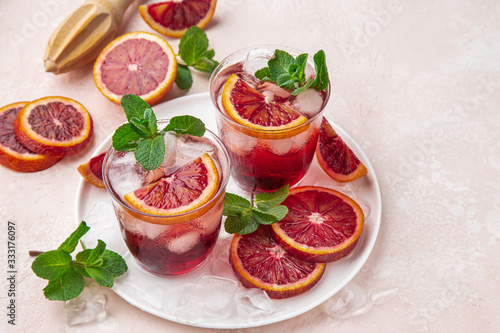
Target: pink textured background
417,84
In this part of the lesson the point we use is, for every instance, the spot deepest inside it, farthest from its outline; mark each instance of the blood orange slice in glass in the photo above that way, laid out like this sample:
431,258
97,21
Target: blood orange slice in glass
138,63
258,261
12,153
172,18
322,224
55,126
185,190
91,170
256,111
335,157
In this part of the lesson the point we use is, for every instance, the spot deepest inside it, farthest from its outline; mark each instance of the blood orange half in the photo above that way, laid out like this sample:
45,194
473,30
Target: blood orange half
335,157
172,18
258,112
55,126
259,262
12,153
322,224
91,170
185,190
138,63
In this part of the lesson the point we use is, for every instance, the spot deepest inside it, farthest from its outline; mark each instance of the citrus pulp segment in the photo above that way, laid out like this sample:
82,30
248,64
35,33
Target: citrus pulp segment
258,113
322,225
259,262
91,170
12,153
138,63
54,126
335,157
172,18
183,191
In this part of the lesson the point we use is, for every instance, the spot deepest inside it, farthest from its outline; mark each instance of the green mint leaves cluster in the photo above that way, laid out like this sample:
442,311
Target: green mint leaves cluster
244,218
193,52
66,276
141,133
289,72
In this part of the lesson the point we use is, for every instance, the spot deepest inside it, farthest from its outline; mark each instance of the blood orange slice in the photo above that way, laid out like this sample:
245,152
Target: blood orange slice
172,18
12,153
322,225
138,63
185,190
258,112
335,157
258,261
91,170
54,126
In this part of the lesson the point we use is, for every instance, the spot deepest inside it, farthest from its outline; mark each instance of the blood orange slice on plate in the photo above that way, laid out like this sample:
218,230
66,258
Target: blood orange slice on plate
335,157
259,262
55,126
173,18
138,63
322,224
185,190
12,153
256,111
91,170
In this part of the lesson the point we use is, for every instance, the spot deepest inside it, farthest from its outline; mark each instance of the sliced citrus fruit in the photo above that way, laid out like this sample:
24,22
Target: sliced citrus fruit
12,153
258,261
55,126
172,18
256,111
91,170
186,189
322,224
335,157
138,63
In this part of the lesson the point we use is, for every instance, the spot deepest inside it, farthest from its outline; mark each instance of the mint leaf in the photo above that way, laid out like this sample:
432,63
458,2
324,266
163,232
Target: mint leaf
193,45
263,217
134,106
234,204
114,263
321,81
71,242
184,80
150,152
95,256
151,121
185,125
52,264
265,201
65,287
125,138
264,74
140,126
233,224
279,212
101,275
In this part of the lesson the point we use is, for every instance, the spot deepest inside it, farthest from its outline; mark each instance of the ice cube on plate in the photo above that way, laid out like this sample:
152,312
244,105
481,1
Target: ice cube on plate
88,307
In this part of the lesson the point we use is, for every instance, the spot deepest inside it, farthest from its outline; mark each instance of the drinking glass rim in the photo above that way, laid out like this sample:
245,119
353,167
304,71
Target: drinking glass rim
222,64
220,190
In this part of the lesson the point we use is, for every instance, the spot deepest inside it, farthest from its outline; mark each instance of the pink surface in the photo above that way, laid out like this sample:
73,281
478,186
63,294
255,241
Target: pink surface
415,84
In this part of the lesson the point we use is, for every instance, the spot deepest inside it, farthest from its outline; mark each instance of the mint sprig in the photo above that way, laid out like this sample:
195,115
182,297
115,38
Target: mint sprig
193,52
244,218
289,72
67,276
141,133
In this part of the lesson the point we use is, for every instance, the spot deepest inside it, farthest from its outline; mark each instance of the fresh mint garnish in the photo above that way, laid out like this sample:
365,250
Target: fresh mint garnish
289,72
67,276
193,52
141,133
244,218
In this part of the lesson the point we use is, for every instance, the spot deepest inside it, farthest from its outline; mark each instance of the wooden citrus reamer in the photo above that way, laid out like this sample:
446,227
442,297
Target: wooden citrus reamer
82,35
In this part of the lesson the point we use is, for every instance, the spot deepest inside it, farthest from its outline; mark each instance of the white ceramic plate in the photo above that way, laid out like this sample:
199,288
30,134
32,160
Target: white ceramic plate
210,296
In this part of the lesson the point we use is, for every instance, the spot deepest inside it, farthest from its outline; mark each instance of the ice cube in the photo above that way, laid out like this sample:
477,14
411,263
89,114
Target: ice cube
238,142
252,303
189,147
309,102
169,158
256,59
214,296
183,242
88,307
